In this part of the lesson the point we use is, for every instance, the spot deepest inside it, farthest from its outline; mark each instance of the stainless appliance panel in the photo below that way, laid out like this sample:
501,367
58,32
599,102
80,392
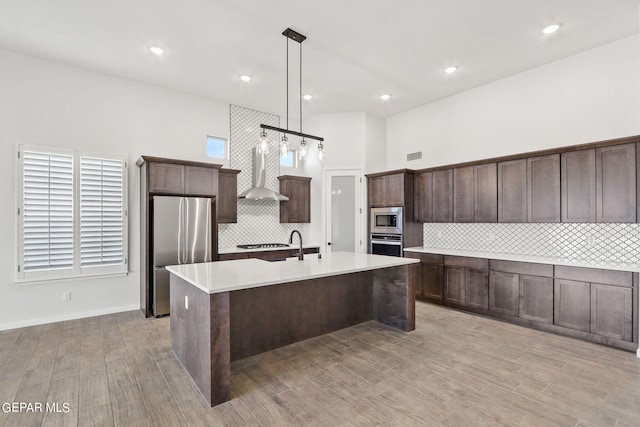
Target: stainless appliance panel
168,235
386,220
386,244
182,228
197,220
160,291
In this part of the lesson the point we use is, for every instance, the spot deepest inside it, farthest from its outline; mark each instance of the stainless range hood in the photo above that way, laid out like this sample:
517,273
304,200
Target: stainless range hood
258,191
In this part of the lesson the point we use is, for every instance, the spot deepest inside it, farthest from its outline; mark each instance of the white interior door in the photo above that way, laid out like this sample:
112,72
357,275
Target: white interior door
344,210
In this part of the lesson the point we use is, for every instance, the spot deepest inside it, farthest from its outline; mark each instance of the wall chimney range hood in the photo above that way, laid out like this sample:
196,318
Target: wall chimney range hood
258,191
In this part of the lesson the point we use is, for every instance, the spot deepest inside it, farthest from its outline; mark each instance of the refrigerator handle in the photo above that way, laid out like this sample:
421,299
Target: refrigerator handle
185,239
208,246
180,229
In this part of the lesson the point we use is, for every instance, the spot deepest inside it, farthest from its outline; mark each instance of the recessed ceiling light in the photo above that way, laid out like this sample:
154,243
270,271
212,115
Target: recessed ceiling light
308,97
551,29
156,50
385,97
450,70
245,78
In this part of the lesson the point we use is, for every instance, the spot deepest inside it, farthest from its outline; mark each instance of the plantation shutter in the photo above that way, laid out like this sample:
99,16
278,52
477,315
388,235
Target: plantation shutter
101,212
47,211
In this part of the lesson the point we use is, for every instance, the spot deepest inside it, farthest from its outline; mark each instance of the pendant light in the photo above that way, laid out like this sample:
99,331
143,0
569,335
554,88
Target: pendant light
263,145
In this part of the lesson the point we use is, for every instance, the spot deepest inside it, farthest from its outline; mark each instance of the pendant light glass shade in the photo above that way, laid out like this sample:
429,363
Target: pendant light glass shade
302,150
284,146
263,142
321,152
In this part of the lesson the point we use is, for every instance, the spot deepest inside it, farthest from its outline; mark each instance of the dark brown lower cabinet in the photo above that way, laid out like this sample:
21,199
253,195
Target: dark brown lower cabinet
432,281
466,286
591,304
612,311
477,288
572,304
504,293
454,285
536,298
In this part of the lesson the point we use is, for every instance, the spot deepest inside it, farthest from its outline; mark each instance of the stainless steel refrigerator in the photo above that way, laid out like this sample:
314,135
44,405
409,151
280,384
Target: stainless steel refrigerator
182,229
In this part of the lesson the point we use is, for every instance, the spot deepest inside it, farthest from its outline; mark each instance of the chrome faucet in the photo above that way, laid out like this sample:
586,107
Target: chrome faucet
301,253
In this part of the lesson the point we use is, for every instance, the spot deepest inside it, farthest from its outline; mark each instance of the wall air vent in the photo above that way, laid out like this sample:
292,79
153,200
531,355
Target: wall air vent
414,156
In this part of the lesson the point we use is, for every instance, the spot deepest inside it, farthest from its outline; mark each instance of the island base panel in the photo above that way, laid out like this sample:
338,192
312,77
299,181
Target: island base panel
220,327
269,317
200,338
394,299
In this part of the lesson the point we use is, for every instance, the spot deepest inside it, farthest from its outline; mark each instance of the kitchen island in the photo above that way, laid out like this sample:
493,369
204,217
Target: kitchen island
229,310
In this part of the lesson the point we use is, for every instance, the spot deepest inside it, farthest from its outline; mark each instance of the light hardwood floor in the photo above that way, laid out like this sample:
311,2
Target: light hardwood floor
455,369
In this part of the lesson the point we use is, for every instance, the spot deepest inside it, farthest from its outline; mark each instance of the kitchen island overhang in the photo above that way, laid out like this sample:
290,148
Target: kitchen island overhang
226,311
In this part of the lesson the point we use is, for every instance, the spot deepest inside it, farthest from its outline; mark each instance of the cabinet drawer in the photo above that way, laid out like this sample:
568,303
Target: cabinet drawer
466,262
593,275
426,258
531,269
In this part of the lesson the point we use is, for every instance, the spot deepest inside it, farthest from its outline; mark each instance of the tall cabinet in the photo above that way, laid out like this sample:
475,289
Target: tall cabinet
171,177
395,189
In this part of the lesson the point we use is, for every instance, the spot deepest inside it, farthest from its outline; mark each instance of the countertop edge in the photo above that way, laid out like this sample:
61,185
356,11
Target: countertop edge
399,262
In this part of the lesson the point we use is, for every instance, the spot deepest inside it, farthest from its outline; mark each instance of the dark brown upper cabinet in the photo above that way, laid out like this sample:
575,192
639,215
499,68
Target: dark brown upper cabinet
543,188
388,189
529,189
578,186
227,204
166,178
423,196
463,194
298,208
512,191
442,196
475,192
485,181
616,183
199,181
180,179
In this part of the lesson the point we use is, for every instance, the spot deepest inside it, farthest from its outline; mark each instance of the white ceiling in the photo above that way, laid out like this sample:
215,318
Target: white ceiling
356,49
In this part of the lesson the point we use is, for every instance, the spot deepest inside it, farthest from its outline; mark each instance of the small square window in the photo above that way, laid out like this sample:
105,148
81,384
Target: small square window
291,161
217,147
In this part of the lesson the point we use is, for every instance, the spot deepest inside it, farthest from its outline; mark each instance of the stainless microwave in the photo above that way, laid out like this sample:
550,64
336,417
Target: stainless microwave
386,220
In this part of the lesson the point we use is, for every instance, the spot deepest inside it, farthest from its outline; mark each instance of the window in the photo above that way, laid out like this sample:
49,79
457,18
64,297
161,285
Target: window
291,161
217,147
72,211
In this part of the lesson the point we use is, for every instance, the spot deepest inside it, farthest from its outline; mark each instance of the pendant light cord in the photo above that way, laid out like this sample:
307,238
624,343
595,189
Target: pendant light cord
287,41
300,87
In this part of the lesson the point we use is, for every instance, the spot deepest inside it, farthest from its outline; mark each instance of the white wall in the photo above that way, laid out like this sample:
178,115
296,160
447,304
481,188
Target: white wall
375,144
49,104
591,96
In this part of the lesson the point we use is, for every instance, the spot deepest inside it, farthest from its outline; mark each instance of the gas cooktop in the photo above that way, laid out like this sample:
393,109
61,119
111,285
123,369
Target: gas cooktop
263,245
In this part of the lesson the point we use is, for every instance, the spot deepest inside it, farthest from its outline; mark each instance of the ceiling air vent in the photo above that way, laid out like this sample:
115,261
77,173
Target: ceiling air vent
414,156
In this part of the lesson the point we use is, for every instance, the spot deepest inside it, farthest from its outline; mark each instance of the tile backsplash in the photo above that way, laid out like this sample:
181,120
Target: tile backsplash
258,220
610,242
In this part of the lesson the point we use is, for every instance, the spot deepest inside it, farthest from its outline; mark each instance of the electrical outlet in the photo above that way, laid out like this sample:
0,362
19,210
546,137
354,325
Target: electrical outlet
186,302
66,296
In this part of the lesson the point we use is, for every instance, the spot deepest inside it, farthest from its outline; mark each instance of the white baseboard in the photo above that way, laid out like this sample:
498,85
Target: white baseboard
70,316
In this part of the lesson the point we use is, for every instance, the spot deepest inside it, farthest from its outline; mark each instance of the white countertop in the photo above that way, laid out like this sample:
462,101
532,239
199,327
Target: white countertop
607,265
236,250
224,276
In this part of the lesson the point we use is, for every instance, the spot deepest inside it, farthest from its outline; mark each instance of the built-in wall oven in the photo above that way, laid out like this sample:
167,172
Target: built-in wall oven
386,244
386,220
